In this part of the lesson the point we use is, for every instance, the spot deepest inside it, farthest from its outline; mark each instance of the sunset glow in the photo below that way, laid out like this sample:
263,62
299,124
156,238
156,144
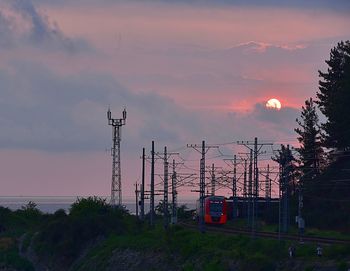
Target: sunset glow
185,71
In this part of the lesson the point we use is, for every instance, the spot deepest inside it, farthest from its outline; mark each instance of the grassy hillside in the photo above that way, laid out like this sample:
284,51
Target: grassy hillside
186,249
95,236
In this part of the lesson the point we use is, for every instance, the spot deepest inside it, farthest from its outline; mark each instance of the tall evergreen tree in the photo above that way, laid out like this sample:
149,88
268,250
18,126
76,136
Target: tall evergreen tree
286,160
310,150
334,97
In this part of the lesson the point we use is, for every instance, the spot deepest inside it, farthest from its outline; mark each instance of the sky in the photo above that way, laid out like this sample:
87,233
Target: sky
186,71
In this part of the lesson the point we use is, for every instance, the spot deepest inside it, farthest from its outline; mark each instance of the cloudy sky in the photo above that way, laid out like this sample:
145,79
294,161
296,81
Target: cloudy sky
185,70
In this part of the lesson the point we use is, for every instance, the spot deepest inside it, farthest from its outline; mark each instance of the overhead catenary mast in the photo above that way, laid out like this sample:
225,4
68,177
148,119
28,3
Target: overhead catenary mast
116,188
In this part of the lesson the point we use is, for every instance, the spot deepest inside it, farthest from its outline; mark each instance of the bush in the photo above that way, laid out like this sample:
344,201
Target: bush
30,210
5,214
10,258
15,223
66,236
88,206
183,212
60,213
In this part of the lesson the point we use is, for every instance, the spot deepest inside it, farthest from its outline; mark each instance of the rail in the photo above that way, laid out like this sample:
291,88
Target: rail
271,235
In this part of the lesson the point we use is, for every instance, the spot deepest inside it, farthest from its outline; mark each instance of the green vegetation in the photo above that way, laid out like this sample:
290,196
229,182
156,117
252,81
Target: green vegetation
321,173
9,256
311,154
59,238
64,237
196,251
262,226
95,236
12,226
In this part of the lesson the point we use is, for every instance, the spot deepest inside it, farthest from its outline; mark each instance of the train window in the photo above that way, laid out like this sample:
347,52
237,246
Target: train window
216,206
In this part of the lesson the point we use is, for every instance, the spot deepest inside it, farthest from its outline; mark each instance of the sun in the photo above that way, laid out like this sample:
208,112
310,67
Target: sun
273,104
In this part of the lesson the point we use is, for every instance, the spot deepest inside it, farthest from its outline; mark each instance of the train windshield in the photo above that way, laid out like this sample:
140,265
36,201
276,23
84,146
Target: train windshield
216,206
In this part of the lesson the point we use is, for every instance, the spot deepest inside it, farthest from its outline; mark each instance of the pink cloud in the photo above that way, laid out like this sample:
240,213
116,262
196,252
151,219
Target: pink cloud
220,26
140,40
186,74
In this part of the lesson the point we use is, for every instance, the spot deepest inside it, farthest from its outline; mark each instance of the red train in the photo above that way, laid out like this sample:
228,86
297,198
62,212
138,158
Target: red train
215,210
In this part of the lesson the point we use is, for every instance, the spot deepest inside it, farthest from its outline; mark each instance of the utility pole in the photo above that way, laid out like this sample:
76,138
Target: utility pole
253,188
234,210
165,201
165,177
268,185
142,215
248,185
202,188
267,191
285,194
152,187
256,170
116,187
174,196
266,173
250,188
204,150
178,179
245,187
234,188
137,200
213,180
256,184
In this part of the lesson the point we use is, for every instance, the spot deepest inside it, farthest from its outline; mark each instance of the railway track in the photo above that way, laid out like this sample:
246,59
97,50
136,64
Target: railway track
271,235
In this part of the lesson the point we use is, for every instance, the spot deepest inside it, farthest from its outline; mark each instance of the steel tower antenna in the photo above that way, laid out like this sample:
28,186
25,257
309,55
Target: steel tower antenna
116,189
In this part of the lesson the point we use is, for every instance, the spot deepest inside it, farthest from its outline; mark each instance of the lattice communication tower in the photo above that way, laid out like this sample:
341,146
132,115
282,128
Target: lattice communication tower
116,188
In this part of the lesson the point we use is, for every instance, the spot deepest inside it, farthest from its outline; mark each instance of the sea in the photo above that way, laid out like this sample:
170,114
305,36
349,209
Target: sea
48,204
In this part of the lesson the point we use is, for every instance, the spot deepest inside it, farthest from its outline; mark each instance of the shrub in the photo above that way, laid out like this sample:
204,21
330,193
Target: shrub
88,206
66,236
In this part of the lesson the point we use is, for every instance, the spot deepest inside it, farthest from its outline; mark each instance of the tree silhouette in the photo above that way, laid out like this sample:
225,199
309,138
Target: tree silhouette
286,160
310,150
334,98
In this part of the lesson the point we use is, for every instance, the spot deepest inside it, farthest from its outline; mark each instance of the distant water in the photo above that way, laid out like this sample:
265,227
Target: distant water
44,204
52,204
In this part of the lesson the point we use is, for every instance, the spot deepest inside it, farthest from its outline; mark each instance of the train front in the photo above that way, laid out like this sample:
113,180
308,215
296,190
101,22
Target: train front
215,210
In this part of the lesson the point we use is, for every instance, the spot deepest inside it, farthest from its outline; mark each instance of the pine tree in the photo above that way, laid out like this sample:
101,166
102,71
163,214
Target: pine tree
310,150
334,98
286,160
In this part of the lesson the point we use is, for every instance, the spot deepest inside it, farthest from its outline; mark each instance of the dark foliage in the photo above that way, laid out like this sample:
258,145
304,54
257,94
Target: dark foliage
286,161
30,211
65,236
334,97
29,218
311,155
183,212
326,199
5,214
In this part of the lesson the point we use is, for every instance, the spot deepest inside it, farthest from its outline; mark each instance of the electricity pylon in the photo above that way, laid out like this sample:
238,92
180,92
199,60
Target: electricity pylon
116,188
